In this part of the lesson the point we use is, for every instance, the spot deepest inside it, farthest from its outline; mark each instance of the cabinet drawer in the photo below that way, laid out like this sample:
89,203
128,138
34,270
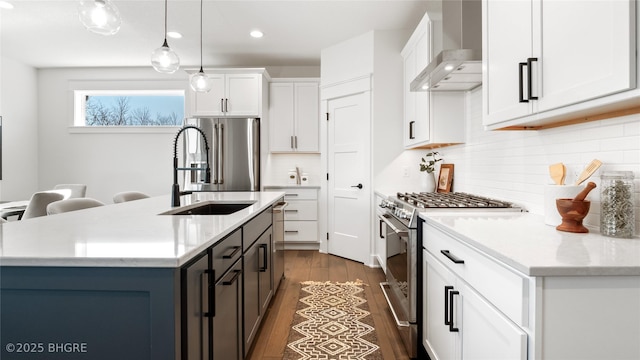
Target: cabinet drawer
300,194
301,231
504,288
251,231
226,252
301,210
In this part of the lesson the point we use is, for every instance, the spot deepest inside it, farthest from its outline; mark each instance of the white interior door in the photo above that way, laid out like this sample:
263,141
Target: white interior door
349,184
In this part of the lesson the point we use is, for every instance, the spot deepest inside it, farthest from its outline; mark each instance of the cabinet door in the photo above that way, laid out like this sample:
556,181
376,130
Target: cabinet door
281,117
264,269
243,95
587,51
197,282
306,115
416,104
507,33
251,294
409,99
227,320
209,103
486,333
438,340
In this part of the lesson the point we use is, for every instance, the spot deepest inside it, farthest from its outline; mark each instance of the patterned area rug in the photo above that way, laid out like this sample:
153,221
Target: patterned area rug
332,322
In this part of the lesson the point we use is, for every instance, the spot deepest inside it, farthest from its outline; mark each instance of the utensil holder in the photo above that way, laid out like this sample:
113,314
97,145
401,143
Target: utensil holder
553,192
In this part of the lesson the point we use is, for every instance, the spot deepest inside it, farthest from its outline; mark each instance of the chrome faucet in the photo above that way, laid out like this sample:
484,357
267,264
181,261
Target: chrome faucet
175,191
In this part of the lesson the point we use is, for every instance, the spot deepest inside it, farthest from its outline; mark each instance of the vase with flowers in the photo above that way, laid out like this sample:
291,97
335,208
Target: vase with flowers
428,164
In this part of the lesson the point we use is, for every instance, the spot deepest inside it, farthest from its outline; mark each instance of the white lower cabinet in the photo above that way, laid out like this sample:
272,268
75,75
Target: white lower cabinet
460,324
300,217
478,307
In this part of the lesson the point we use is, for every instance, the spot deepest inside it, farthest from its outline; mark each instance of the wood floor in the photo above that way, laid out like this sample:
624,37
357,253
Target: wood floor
312,265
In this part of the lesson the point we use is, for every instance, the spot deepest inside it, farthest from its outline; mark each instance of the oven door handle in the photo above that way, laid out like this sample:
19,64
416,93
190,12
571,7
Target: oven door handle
401,233
399,322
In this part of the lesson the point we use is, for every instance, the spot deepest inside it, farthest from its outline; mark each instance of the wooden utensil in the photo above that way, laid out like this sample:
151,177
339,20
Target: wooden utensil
588,171
557,173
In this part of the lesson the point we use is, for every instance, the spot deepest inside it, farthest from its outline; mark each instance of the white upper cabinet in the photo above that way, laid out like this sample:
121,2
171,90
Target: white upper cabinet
232,94
430,119
294,110
546,55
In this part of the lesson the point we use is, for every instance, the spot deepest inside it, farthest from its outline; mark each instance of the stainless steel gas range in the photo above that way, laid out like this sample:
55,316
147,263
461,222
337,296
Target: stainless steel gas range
399,226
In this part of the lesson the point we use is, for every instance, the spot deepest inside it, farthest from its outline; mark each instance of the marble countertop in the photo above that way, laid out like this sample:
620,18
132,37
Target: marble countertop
524,242
130,234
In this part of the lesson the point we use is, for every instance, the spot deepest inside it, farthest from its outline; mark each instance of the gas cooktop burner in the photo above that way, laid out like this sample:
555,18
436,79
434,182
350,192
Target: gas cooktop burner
451,200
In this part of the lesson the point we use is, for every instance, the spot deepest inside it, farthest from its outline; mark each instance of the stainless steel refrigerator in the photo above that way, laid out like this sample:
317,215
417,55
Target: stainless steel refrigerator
234,154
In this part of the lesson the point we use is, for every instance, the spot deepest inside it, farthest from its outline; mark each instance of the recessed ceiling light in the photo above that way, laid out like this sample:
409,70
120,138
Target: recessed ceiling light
174,35
448,67
6,5
256,34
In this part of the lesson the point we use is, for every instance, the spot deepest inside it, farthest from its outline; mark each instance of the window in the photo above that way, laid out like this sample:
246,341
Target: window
128,108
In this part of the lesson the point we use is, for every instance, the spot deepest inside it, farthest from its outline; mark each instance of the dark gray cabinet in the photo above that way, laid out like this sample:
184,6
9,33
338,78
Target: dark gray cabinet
227,319
212,302
258,279
196,281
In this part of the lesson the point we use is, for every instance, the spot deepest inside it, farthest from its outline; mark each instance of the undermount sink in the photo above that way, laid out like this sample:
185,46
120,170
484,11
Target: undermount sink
210,208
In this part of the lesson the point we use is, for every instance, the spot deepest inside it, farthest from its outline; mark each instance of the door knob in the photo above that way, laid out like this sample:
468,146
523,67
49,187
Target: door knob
359,186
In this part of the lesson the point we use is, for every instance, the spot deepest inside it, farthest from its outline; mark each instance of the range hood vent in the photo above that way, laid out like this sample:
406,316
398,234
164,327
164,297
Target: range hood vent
456,40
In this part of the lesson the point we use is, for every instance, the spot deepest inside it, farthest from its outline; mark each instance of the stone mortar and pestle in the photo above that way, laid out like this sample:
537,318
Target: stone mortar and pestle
573,211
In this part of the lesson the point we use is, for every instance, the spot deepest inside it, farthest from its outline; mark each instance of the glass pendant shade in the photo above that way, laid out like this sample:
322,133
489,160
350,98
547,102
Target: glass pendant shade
200,82
165,60
99,16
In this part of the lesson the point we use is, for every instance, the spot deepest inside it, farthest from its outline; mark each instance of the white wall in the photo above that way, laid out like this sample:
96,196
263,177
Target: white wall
106,162
513,165
20,146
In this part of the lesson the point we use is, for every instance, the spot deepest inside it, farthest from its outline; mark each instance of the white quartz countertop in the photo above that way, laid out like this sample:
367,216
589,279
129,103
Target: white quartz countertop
524,242
130,234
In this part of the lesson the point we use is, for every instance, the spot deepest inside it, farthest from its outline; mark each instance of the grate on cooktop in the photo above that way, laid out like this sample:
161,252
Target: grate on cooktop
451,200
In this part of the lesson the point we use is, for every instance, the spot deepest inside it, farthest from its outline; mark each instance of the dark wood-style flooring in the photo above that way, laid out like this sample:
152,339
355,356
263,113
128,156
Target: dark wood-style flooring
313,265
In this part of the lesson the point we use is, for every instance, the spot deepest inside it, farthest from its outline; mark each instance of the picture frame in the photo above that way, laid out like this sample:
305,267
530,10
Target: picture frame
445,178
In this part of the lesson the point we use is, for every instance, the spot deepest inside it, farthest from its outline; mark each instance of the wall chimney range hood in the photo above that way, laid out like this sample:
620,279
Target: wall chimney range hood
456,39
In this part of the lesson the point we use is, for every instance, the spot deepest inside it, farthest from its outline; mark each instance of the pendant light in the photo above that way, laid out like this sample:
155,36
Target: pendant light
99,16
163,59
200,82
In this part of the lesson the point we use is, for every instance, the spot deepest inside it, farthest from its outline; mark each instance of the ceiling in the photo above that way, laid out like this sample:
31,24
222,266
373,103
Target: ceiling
47,34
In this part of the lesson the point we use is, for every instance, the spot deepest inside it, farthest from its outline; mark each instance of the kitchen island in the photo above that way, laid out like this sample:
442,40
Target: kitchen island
114,282
516,288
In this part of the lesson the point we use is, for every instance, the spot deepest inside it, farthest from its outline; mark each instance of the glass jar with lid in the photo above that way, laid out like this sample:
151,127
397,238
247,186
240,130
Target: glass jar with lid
617,217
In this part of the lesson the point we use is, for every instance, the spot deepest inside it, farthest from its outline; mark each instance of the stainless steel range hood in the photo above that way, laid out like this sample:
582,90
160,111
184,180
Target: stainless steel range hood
456,40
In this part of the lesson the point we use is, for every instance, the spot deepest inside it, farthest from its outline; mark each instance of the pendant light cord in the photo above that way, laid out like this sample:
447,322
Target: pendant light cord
202,71
165,21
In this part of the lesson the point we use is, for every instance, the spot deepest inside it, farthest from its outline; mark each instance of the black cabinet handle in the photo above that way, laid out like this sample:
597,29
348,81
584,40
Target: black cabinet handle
359,186
451,257
521,83
208,288
226,105
233,253
451,327
529,76
292,210
233,279
411,136
221,105
447,322
264,257
380,232
291,231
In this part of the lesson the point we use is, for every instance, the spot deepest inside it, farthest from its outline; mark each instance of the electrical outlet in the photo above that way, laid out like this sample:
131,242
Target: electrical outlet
405,171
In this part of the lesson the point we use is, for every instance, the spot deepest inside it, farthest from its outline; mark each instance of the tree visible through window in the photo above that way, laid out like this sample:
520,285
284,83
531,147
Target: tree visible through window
132,110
